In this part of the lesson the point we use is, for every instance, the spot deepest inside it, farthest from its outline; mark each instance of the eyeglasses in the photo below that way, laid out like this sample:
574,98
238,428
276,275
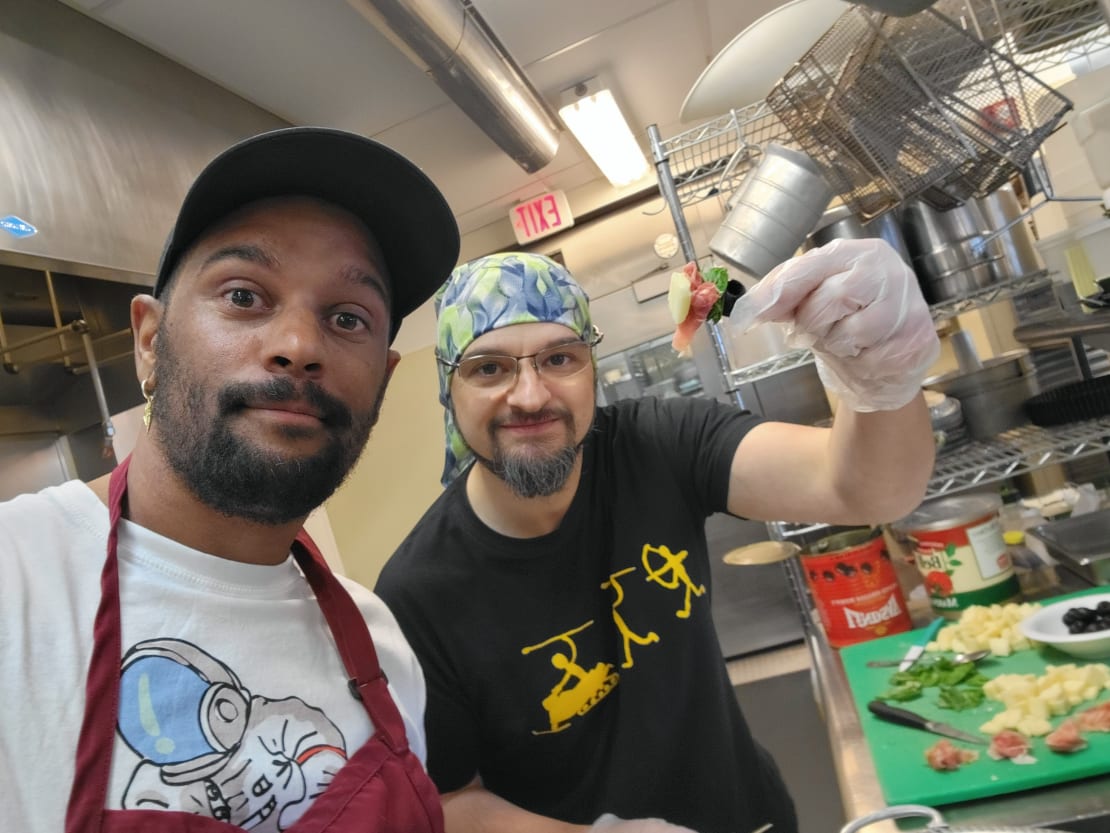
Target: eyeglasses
497,370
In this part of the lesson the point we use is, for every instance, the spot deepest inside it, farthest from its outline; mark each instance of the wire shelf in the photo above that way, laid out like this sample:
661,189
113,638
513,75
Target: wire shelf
769,367
1040,35
1017,451
946,309
989,295
713,158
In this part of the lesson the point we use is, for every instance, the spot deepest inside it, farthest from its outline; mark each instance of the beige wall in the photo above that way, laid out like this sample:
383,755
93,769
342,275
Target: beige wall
398,475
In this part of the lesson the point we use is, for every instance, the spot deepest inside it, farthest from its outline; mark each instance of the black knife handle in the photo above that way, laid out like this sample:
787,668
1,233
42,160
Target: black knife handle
896,715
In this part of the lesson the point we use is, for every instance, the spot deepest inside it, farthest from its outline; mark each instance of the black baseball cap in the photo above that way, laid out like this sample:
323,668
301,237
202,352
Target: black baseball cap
395,199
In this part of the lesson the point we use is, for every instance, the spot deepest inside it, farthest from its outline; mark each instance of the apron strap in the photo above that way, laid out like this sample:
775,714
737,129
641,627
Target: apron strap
89,792
367,681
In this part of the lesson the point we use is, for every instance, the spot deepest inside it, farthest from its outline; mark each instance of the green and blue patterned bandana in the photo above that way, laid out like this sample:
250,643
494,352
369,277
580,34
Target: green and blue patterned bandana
495,291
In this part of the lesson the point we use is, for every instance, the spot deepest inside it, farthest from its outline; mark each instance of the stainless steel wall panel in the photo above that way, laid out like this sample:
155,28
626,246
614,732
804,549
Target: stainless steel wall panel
100,139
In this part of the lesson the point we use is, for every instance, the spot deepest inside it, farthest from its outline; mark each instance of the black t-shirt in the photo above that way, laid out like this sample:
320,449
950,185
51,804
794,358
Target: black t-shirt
579,673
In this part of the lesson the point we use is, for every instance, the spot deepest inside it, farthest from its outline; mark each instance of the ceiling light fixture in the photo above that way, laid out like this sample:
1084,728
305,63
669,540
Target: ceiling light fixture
591,113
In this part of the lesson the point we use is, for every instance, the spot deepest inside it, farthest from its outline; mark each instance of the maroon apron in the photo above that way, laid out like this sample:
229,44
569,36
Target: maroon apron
382,788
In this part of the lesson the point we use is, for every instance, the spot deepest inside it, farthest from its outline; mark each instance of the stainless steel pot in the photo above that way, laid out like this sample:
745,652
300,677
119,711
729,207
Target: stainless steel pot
840,223
889,229
935,824
991,397
950,254
775,207
1017,256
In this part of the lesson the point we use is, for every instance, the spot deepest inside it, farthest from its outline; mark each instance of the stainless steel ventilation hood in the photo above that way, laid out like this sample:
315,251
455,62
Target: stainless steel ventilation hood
449,40
97,152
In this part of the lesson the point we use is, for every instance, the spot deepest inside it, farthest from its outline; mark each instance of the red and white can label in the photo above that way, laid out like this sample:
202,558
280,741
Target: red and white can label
964,565
857,594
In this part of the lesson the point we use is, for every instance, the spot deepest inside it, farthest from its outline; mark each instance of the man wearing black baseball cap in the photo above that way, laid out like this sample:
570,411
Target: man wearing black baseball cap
182,636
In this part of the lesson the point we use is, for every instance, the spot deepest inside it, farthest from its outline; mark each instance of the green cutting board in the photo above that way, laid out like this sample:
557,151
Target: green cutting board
899,751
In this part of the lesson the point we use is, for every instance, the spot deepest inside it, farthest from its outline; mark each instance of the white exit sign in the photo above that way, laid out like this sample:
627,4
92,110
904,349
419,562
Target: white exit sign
541,216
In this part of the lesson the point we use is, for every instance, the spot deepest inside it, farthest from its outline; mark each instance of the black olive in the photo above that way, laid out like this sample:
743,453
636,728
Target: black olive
846,569
828,575
866,567
1103,608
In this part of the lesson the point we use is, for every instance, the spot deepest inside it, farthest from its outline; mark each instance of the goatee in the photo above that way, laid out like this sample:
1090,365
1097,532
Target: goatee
531,476
535,472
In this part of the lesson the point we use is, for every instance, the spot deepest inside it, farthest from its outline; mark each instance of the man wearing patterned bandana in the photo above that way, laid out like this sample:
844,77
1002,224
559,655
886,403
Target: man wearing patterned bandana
557,593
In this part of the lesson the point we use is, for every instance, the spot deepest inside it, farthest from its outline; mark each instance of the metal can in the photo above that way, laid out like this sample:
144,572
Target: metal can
961,554
854,587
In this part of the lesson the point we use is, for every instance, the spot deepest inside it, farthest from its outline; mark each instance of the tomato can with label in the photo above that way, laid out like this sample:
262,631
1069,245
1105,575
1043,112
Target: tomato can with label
961,554
854,587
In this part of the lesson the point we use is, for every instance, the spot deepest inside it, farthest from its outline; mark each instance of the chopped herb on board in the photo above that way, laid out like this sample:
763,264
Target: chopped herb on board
959,697
960,684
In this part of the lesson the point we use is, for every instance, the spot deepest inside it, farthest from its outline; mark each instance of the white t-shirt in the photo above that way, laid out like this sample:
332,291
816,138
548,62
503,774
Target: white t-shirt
234,701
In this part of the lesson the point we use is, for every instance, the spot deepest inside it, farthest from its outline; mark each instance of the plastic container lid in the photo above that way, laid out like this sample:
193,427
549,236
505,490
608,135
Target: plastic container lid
1013,537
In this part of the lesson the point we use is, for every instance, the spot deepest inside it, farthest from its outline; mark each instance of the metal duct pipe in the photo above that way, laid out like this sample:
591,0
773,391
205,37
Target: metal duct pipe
449,40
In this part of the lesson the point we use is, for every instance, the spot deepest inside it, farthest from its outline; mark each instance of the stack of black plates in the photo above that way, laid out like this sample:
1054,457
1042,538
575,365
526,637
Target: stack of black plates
1088,399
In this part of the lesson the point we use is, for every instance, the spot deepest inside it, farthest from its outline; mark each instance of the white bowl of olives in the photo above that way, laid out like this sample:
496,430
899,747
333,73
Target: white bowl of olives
1079,626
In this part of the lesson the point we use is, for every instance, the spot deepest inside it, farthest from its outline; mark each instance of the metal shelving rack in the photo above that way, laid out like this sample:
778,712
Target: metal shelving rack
1018,451
942,311
710,160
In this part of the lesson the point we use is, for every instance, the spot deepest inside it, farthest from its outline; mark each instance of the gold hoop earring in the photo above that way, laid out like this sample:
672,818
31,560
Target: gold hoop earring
148,411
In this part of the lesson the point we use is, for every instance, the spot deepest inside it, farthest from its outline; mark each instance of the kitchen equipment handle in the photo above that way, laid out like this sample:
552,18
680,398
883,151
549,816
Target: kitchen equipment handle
896,715
931,632
899,811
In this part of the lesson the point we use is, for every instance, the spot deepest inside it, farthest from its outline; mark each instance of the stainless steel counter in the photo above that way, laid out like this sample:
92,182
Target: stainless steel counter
1078,806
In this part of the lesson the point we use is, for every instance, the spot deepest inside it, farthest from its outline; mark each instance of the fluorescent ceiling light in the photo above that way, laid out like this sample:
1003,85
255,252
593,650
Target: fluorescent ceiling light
592,115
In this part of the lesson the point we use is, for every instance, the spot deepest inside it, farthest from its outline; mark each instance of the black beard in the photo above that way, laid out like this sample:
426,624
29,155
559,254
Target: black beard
532,477
231,475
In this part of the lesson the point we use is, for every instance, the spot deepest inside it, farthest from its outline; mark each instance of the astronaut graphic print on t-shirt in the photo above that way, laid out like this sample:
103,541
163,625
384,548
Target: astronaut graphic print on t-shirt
208,746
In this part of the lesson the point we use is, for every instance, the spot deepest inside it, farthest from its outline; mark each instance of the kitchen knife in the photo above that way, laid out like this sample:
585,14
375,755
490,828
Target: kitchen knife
908,718
918,648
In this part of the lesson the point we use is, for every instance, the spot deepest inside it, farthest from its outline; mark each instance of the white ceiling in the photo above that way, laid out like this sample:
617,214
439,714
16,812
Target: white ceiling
321,62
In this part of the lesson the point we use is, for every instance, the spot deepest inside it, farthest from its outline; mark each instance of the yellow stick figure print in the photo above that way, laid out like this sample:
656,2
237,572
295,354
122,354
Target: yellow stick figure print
672,564
626,632
589,688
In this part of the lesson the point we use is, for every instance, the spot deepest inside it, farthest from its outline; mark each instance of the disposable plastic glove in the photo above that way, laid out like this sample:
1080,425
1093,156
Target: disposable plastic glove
859,308
609,823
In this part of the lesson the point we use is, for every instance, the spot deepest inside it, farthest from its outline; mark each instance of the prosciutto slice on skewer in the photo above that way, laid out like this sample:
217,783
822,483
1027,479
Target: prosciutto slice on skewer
691,298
